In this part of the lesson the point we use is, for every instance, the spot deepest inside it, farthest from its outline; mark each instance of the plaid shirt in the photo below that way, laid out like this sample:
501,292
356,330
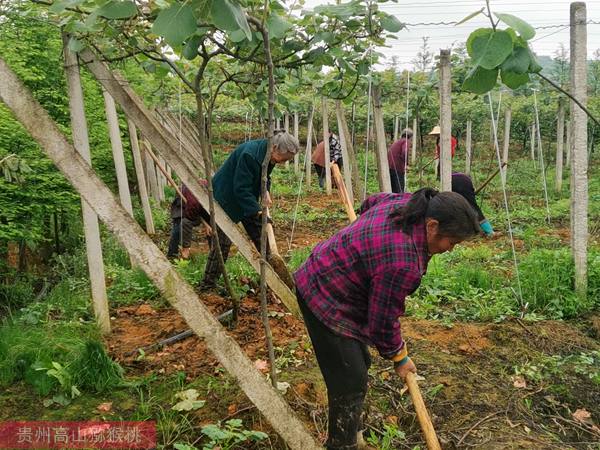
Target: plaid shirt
355,282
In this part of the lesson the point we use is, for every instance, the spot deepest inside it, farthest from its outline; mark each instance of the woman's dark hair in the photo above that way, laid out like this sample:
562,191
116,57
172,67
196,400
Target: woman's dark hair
455,215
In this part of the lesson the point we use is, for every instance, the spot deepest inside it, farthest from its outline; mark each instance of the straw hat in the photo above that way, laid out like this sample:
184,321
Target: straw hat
436,130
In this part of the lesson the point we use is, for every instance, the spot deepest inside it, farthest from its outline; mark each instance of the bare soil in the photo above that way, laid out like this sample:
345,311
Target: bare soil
469,383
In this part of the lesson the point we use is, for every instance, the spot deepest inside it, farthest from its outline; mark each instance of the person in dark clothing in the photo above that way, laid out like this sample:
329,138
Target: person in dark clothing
176,216
318,157
237,188
398,160
462,184
186,215
352,289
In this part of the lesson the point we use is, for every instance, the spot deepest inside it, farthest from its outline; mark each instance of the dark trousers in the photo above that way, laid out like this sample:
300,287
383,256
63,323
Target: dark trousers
181,234
321,172
397,179
253,226
344,363
173,250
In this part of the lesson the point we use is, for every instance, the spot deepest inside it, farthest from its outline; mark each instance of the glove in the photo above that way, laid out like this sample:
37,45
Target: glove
486,226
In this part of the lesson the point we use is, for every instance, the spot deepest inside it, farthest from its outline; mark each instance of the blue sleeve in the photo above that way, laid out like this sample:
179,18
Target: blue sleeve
243,183
486,226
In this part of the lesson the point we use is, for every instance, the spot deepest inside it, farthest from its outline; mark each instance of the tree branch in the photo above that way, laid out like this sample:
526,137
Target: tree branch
577,102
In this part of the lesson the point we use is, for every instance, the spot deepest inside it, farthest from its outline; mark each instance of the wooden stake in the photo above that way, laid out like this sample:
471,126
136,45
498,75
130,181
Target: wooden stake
339,182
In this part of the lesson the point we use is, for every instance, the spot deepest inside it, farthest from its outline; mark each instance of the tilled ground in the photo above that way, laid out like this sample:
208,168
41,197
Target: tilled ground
470,386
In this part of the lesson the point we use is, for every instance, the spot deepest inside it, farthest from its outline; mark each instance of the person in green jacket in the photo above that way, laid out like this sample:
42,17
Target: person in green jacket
237,188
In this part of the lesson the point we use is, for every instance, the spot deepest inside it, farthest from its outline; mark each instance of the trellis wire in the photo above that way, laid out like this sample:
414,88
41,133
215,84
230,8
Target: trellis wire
507,210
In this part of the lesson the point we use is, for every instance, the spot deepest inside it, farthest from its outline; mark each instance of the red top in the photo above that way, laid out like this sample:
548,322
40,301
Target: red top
453,143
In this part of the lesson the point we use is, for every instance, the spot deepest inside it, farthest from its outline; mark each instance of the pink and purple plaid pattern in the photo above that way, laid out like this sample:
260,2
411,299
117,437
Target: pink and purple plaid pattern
356,281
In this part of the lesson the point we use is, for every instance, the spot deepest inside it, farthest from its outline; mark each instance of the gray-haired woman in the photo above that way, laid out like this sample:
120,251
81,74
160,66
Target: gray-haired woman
237,189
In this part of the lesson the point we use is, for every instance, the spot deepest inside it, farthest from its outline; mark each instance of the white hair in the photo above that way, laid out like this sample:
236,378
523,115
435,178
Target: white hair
285,142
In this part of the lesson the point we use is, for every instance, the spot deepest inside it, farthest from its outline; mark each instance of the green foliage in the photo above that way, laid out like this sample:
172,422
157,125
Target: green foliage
507,52
117,9
390,438
129,286
229,435
175,23
94,370
545,367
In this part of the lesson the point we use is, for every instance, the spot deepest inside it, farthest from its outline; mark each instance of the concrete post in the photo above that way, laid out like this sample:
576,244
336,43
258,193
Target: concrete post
560,140
383,169
117,150
445,86
579,160
141,178
506,143
468,149
327,150
91,228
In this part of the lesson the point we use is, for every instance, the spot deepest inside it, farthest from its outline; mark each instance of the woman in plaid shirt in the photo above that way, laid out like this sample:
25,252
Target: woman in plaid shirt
351,292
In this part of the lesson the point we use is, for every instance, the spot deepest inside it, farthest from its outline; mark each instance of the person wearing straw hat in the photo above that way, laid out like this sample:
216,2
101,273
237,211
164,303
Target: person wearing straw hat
398,160
453,143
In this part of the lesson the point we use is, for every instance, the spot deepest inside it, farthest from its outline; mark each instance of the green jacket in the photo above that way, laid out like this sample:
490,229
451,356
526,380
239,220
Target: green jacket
237,183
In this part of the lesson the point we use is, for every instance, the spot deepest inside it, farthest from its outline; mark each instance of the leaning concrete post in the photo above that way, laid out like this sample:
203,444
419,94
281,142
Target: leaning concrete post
152,261
560,140
141,179
91,229
117,150
579,160
445,86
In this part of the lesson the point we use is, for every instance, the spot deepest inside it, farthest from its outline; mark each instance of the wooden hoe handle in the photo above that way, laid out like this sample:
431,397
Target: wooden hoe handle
339,181
422,414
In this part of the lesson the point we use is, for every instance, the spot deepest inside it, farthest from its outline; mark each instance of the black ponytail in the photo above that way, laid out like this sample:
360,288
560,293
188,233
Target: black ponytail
455,215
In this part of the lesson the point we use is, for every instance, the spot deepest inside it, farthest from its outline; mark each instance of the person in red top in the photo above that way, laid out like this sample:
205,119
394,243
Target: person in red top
453,144
398,160
318,157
